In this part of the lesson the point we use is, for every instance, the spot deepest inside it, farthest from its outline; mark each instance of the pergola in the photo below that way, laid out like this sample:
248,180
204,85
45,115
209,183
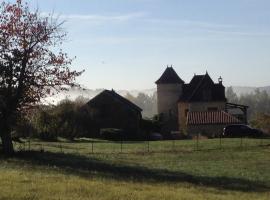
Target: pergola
243,108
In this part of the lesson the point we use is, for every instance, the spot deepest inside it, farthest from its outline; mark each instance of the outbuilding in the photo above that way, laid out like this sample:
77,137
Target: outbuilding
110,110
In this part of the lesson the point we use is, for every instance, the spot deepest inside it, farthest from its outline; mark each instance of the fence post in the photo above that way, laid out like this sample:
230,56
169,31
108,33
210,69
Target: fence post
148,144
241,143
41,148
92,143
197,141
121,145
29,145
60,146
220,144
173,145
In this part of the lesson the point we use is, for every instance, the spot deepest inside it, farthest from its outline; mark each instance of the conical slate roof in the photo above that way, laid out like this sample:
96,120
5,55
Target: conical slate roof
169,76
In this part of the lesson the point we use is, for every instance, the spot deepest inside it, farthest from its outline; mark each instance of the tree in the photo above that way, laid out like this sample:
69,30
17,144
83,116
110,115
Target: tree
262,121
231,95
147,102
30,67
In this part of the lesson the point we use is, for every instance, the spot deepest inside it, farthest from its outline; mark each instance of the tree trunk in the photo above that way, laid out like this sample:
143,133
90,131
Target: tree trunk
6,140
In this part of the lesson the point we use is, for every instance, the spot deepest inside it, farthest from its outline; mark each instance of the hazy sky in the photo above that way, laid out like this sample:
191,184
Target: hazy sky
126,44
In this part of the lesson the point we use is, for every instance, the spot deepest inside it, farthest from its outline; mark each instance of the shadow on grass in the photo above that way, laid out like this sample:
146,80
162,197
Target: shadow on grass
88,167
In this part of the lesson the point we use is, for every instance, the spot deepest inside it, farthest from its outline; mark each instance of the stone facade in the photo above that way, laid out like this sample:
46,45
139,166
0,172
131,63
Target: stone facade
185,107
167,100
206,106
169,87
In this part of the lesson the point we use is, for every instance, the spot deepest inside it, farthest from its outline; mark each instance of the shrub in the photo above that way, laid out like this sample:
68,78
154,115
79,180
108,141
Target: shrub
112,134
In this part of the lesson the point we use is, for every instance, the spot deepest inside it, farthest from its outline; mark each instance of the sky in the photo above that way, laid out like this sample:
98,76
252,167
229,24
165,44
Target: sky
127,44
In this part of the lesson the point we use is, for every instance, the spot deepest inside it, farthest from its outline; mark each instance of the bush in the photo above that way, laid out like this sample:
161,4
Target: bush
262,121
65,120
149,126
45,125
112,134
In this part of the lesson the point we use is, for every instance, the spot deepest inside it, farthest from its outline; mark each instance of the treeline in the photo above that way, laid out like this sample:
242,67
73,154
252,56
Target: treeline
258,101
68,119
48,122
146,102
259,107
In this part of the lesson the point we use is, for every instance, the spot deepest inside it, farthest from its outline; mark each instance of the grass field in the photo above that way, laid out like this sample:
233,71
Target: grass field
170,170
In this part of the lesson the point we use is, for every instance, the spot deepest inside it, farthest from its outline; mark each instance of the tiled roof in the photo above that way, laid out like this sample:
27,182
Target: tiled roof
211,117
169,76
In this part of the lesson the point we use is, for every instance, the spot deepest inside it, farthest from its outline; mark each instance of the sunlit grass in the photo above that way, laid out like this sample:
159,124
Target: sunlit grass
170,170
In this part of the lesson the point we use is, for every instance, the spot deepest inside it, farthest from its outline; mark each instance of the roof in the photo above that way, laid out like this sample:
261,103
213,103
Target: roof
169,76
211,117
194,91
113,94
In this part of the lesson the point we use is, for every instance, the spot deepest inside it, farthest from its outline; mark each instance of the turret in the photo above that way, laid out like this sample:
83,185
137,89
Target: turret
169,89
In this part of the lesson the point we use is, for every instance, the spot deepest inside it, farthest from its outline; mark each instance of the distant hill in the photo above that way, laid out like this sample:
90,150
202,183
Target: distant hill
73,93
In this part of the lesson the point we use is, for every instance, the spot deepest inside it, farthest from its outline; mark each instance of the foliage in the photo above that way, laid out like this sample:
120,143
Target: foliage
112,134
262,121
258,101
46,124
30,64
50,122
150,126
145,102
63,120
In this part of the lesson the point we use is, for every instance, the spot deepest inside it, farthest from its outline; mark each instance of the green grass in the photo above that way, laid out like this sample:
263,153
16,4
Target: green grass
170,170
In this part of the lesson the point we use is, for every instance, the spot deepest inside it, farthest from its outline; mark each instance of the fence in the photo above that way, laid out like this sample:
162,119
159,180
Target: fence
103,146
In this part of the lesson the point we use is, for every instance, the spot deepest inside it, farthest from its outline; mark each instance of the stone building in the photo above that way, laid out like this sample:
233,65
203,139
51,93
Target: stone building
169,88
195,107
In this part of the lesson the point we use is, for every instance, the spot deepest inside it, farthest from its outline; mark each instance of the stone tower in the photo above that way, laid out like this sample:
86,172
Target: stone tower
169,89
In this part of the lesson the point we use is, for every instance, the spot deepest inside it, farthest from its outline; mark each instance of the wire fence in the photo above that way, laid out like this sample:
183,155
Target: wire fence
104,146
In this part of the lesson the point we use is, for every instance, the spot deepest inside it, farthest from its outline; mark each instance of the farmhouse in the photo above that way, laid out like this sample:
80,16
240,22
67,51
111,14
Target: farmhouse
196,107
110,110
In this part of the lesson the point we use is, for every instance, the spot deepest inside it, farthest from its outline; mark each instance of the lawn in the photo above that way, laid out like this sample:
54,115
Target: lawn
96,169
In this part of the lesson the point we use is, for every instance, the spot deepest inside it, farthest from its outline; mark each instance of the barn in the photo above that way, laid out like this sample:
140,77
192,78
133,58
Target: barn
110,110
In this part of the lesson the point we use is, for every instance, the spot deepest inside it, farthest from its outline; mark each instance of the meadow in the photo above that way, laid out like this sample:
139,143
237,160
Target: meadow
98,169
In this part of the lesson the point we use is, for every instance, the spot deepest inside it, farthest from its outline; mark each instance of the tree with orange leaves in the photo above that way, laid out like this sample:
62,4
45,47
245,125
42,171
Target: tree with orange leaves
30,68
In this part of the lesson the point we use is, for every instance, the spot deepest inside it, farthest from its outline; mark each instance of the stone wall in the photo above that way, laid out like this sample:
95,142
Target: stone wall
203,106
167,100
183,107
182,117
167,97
